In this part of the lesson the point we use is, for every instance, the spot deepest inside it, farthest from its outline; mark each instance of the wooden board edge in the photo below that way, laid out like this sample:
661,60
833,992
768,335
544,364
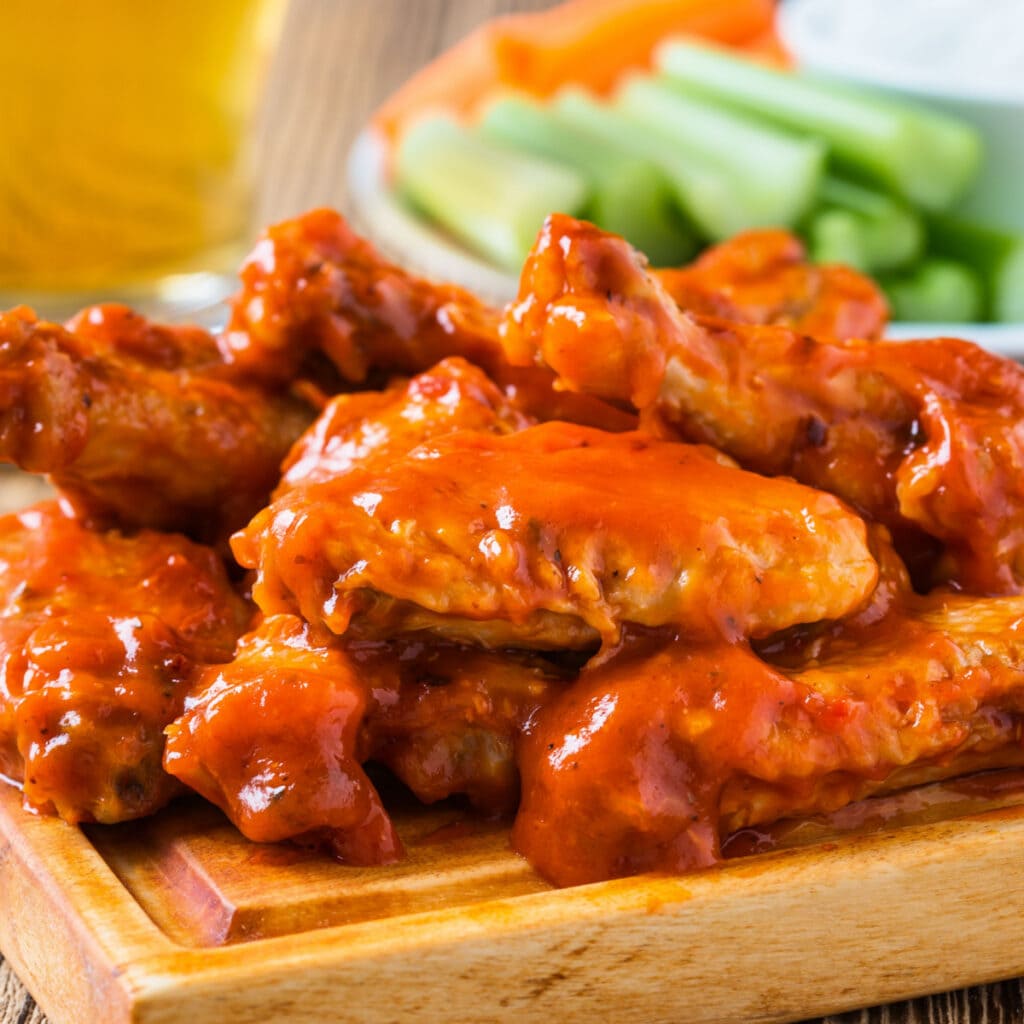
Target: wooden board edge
778,938
68,929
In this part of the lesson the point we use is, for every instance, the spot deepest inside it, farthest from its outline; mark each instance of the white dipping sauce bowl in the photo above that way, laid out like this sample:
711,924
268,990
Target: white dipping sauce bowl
963,57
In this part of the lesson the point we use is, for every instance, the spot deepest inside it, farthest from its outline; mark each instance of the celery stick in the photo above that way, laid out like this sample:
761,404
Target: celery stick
893,232
492,198
706,197
923,156
629,196
777,174
838,236
637,203
998,256
941,291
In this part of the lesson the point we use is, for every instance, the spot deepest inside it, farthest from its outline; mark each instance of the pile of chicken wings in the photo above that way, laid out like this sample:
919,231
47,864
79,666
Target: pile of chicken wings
643,558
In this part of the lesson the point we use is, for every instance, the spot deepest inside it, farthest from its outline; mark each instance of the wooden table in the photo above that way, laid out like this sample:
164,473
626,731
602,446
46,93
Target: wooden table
339,58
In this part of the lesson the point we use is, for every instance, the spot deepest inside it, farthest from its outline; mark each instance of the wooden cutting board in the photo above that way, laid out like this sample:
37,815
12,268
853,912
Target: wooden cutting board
181,921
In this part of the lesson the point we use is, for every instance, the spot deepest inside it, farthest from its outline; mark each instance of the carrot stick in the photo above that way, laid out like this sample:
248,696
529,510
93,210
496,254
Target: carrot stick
586,42
591,42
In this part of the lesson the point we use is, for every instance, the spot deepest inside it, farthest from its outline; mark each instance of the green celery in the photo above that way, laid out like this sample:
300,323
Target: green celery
837,236
998,256
491,197
893,233
629,196
776,174
705,196
937,291
925,157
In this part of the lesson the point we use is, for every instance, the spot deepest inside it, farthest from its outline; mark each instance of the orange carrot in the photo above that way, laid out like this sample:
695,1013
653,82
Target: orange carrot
590,42
587,42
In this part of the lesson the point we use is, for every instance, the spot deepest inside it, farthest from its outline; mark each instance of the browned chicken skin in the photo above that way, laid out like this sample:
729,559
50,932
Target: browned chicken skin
138,427
925,436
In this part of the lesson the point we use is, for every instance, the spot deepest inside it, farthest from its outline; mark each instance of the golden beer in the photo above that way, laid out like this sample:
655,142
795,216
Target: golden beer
125,156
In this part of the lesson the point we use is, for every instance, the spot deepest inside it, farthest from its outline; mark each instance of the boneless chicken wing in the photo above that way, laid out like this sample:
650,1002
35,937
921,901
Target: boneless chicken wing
139,426
925,437
100,634
554,537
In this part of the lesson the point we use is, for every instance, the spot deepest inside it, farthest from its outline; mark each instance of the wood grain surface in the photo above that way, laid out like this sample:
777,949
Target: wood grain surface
338,59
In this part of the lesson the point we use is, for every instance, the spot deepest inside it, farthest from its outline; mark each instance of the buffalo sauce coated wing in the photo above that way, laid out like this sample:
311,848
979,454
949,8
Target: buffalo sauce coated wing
925,437
99,637
763,277
312,284
453,721
312,287
139,426
277,738
271,738
650,759
355,429
553,537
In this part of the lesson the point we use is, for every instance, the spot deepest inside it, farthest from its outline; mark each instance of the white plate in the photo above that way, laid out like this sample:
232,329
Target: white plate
414,243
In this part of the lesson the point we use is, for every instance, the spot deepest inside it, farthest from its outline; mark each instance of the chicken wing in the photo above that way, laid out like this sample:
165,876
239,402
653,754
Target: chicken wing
649,760
763,277
277,738
355,429
312,286
137,425
926,437
452,723
99,636
554,537
271,739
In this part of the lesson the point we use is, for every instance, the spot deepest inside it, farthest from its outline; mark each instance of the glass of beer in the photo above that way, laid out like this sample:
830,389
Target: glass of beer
125,167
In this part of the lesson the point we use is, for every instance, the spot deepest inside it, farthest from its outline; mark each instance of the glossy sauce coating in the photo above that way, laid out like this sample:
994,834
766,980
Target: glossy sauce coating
271,738
764,277
99,637
278,737
925,437
355,430
648,761
313,288
534,539
138,426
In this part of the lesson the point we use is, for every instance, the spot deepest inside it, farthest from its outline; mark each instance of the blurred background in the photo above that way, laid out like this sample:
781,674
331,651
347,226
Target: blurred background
338,60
